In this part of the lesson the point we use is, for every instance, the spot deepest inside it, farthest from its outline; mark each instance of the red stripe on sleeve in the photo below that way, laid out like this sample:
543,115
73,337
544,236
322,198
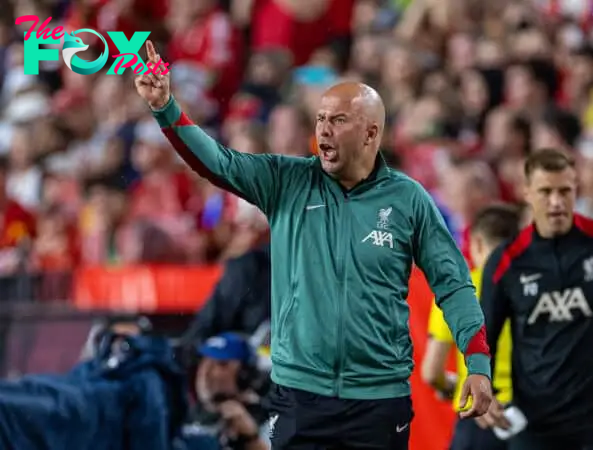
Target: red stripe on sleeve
478,343
183,121
192,160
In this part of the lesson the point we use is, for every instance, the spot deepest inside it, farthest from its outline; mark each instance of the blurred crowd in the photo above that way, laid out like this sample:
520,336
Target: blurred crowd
471,87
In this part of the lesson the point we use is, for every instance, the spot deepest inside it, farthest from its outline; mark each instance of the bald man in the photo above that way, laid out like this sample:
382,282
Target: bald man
346,230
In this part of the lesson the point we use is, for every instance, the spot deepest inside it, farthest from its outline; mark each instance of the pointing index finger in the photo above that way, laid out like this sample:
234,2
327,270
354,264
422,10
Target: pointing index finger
150,51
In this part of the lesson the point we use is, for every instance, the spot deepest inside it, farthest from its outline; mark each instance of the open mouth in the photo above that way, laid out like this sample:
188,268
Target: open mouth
328,152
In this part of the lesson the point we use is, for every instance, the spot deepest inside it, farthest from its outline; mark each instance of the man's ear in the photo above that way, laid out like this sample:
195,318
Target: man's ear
371,134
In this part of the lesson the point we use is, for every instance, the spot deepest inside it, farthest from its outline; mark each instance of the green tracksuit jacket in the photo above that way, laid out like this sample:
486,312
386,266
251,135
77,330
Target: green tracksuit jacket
340,266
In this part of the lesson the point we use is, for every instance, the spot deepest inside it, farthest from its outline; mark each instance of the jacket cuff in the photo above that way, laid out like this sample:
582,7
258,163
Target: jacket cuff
478,364
168,114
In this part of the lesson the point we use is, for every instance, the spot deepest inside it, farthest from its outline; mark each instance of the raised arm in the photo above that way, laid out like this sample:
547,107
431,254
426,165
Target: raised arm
437,255
252,177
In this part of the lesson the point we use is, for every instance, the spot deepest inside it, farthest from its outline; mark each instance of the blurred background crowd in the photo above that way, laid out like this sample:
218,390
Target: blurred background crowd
471,88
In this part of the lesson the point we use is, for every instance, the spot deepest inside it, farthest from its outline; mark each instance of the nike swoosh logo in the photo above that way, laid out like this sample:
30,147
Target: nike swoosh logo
272,425
310,207
400,428
529,278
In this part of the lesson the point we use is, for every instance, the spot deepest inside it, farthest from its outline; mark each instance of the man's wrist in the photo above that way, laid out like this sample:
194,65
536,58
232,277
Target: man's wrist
478,364
168,114
160,106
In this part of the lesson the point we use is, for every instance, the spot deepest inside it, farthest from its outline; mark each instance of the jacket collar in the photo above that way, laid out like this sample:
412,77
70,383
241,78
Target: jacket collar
379,174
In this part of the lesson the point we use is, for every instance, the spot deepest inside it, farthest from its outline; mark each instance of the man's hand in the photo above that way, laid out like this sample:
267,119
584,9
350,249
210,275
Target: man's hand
494,417
480,389
155,89
238,420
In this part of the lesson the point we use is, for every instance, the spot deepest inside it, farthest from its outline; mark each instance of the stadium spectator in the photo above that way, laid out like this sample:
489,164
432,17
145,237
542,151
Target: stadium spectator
56,247
25,178
227,407
162,192
205,43
100,224
469,186
17,228
300,27
127,16
289,131
556,129
584,203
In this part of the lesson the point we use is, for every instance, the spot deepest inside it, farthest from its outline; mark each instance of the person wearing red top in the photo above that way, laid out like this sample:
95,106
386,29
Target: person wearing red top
163,191
17,228
159,200
128,16
205,42
301,26
466,187
17,224
56,246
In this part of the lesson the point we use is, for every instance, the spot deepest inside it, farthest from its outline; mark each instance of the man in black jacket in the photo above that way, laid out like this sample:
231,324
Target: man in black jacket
241,299
543,281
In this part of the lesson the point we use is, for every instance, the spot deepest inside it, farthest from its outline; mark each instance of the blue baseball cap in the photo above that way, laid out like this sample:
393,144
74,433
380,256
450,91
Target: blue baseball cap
226,347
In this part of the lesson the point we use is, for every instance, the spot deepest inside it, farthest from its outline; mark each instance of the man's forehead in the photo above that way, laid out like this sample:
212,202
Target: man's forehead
545,178
332,104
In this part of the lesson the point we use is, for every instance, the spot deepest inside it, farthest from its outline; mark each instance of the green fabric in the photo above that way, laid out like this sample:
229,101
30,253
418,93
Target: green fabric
340,268
401,4
478,364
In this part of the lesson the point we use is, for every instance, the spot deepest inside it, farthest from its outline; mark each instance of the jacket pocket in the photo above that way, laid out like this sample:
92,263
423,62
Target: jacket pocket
395,329
285,322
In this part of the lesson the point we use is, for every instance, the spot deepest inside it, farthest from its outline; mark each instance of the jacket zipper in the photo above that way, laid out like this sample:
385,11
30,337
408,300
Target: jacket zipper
558,267
342,298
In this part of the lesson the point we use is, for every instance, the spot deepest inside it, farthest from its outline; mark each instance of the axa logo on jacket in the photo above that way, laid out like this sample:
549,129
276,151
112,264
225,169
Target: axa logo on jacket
380,237
560,306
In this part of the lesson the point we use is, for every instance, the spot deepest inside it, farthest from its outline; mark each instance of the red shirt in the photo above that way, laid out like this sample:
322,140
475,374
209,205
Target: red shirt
16,224
104,17
64,257
165,197
214,44
274,27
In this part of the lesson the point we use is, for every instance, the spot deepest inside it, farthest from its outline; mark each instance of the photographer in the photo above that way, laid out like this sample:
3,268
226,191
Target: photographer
228,413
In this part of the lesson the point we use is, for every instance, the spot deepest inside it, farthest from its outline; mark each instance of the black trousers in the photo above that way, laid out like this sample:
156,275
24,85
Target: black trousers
469,436
301,420
530,441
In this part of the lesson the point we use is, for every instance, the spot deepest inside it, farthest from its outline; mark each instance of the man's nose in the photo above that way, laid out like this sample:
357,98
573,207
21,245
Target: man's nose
556,200
325,129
